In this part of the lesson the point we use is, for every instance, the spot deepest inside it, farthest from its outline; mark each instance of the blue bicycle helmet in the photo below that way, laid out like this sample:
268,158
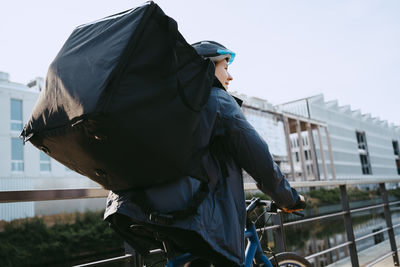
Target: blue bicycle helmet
214,51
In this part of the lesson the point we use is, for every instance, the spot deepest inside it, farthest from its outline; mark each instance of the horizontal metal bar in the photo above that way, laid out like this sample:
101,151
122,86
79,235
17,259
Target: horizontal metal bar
372,234
344,182
396,225
394,203
120,258
328,250
268,228
380,259
58,194
156,251
315,218
52,194
367,208
253,186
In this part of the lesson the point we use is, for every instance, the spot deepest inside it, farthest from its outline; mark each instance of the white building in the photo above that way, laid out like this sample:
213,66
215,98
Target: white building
24,167
362,146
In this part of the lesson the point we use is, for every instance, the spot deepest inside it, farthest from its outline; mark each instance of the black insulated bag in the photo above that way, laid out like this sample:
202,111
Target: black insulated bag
122,101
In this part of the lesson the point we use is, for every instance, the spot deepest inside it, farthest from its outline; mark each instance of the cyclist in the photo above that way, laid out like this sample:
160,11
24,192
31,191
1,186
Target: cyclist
215,231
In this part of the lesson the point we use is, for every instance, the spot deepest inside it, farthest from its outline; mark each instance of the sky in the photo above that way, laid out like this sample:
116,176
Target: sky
348,50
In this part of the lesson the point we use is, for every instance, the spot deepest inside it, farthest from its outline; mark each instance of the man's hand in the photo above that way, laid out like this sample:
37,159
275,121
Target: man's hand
300,205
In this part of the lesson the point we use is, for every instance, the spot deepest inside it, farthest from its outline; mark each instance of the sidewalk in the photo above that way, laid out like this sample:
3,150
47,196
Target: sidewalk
385,263
370,254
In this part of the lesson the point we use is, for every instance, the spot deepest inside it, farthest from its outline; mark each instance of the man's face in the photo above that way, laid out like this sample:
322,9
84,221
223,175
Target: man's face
221,72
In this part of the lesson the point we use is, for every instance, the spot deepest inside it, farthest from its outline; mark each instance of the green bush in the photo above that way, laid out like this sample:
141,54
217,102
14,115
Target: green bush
395,192
31,242
358,194
326,196
332,196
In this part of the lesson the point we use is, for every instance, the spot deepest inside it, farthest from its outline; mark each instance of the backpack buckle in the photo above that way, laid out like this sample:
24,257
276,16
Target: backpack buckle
160,218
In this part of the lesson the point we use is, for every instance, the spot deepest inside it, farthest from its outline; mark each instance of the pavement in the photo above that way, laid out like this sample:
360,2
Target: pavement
369,255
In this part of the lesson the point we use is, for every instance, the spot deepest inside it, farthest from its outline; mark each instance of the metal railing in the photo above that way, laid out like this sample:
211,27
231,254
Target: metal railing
279,226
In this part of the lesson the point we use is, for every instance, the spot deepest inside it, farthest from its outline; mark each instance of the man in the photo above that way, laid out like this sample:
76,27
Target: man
215,231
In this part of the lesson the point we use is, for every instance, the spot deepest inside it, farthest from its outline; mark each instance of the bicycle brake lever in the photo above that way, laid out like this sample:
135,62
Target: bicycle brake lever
293,212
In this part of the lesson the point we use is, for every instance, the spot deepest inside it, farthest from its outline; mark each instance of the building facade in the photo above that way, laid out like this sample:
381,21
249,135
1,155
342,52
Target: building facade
24,167
362,146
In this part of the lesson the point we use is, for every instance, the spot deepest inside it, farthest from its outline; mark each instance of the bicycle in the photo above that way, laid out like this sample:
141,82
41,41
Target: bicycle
254,254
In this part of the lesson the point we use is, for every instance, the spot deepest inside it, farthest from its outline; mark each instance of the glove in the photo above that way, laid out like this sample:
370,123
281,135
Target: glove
298,206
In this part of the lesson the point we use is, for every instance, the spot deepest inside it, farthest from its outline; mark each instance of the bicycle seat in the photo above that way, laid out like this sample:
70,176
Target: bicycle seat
153,232
139,236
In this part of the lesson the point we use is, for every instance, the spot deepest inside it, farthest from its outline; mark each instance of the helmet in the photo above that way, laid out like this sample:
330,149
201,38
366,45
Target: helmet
213,51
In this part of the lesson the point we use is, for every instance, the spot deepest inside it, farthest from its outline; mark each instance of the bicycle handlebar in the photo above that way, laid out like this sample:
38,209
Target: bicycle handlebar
270,206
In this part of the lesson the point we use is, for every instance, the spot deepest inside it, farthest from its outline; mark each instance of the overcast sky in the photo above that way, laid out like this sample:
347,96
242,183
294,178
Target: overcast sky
348,50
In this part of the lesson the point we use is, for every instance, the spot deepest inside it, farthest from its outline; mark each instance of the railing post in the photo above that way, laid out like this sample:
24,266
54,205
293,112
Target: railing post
286,128
389,224
280,240
301,151
135,260
312,150
322,154
349,227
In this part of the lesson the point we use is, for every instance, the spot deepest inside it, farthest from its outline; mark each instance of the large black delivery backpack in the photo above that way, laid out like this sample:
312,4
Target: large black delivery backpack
122,101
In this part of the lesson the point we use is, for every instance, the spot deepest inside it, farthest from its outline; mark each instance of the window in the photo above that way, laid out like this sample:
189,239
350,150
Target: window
362,143
363,151
16,115
44,162
396,153
297,156
398,166
17,155
365,165
395,147
306,154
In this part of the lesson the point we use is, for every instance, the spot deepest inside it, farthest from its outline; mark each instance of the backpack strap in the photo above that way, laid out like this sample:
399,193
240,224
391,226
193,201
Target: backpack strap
207,184
139,197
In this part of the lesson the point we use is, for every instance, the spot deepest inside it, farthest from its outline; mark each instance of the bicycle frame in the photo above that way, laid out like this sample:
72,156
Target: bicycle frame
253,250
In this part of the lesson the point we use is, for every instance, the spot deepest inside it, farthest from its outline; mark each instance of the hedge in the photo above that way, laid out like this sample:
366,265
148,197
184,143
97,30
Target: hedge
31,242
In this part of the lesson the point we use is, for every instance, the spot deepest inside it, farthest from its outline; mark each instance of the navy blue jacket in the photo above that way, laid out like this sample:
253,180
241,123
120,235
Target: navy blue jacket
220,218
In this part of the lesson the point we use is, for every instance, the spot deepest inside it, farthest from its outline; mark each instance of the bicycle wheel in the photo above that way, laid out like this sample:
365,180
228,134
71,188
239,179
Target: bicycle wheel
289,259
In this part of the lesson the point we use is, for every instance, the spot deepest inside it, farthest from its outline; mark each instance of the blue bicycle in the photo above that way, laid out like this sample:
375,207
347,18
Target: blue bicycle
254,254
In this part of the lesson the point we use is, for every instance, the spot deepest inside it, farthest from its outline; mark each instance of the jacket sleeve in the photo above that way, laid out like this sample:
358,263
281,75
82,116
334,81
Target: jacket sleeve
252,154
